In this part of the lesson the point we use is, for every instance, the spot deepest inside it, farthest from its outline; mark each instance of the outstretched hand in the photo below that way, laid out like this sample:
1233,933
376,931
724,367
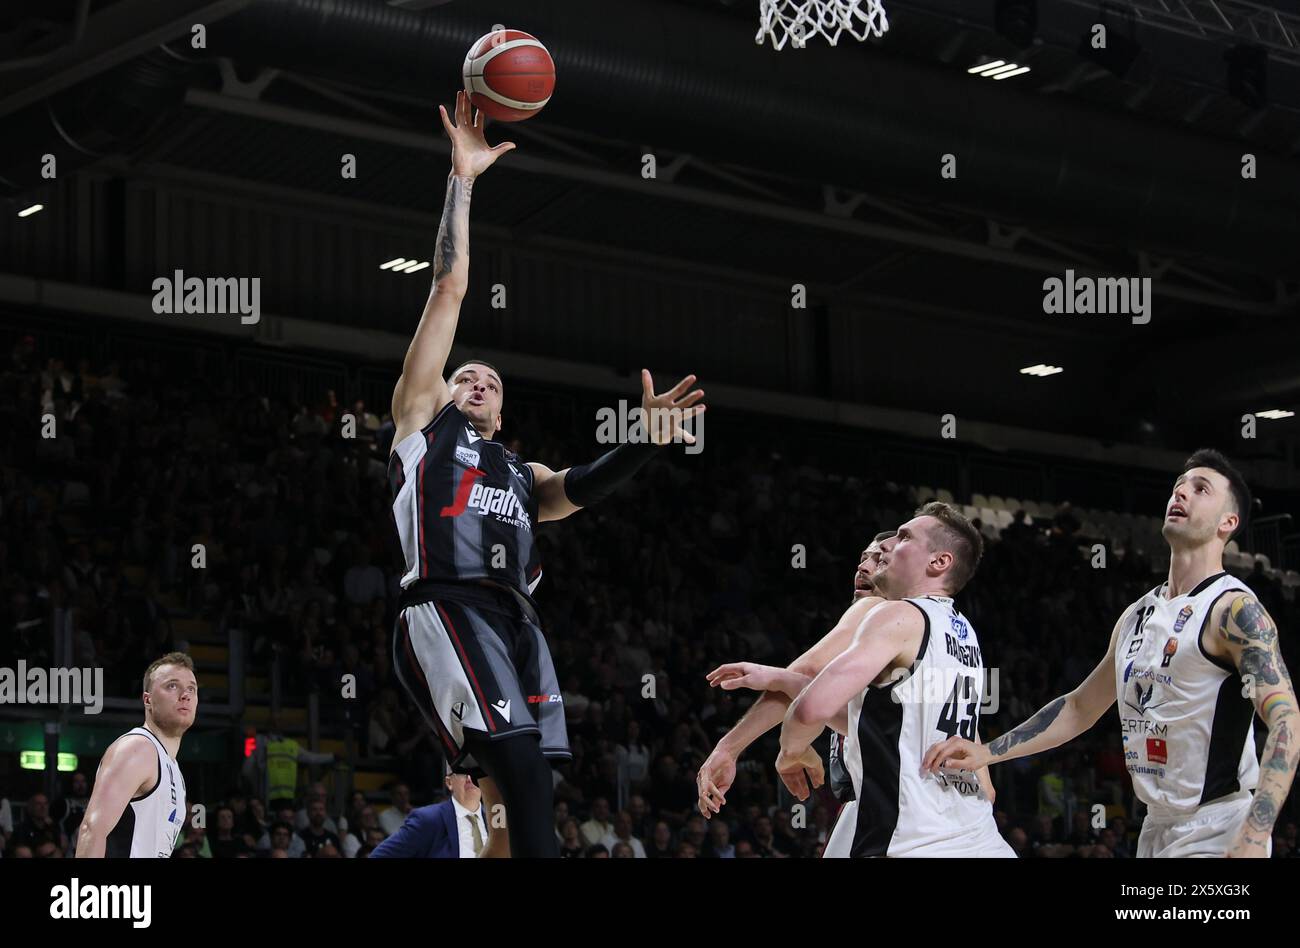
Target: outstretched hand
665,415
735,675
471,155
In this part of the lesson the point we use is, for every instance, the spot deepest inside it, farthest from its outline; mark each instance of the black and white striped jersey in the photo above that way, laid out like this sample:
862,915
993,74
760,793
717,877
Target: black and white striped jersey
463,506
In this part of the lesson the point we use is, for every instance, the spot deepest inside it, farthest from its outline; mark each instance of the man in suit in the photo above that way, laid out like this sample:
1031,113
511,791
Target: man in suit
453,829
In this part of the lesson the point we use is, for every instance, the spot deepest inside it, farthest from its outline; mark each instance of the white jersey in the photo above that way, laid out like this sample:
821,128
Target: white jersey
1184,717
899,811
152,821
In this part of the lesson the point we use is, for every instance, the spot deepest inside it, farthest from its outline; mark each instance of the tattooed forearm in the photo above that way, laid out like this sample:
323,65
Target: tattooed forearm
1280,758
1276,771
1036,725
452,243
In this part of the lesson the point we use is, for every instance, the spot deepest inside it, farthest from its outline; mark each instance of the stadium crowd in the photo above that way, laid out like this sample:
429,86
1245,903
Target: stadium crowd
745,551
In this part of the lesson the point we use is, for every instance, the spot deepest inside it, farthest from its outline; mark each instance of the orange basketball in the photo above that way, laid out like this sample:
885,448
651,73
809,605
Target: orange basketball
509,75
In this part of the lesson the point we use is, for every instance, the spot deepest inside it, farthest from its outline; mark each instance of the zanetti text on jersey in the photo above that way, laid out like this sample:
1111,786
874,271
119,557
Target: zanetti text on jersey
84,686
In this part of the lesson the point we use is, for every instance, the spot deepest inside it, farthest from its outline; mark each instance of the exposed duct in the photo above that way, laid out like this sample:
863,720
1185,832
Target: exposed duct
692,81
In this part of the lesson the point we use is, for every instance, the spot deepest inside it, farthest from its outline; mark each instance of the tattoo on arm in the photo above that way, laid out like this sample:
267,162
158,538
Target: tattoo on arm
450,234
1281,745
1247,624
1252,635
1036,725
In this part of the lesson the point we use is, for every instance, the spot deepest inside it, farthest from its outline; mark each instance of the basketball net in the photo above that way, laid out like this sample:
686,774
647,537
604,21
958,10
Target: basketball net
797,20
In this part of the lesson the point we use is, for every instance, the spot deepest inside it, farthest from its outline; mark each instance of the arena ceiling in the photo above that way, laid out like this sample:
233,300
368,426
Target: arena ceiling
818,166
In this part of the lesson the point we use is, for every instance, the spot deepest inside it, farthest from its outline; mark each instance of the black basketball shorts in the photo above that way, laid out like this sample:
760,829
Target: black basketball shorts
478,664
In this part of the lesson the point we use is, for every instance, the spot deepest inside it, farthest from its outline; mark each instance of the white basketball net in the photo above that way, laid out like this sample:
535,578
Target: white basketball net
795,21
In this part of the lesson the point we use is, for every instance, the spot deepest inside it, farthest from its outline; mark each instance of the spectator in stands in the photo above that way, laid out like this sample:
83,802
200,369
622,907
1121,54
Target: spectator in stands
316,794
599,826
1065,524
225,842
622,833
281,837
661,842
317,835
765,841
356,836
1018,531
719,846
37,827
72,808
571,842
393,817
196,838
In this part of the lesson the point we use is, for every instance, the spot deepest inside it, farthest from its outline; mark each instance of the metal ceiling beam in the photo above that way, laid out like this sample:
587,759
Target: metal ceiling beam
1238,20
631,181
119,33
675,269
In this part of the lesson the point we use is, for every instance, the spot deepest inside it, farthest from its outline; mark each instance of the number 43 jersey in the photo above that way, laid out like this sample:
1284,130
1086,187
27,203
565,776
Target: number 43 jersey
901,812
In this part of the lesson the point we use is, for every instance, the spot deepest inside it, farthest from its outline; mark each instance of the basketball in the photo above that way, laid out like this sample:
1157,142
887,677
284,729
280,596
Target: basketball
509,75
